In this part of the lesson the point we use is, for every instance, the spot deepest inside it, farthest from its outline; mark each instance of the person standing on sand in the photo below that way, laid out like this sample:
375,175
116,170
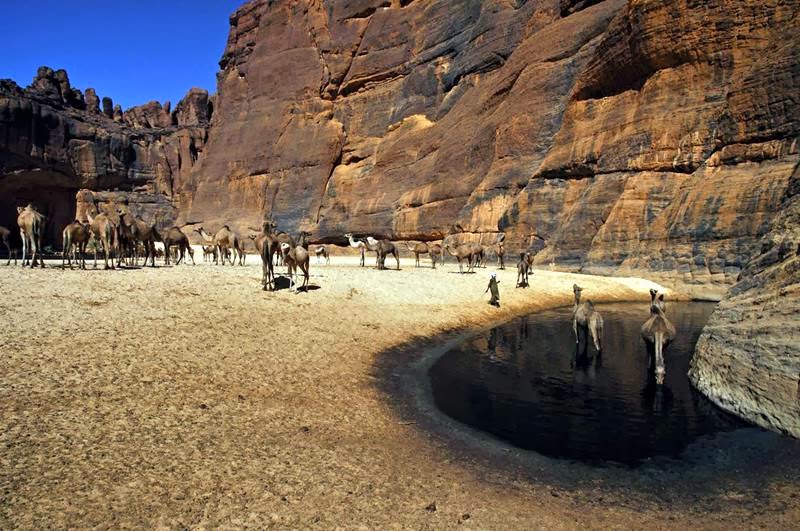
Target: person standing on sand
493,282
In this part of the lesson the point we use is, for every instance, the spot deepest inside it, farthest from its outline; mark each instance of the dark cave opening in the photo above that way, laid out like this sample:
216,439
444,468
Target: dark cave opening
52,194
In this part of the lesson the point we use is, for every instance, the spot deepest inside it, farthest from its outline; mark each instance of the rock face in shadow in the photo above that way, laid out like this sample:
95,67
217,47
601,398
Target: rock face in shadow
646,136
54,141
747,360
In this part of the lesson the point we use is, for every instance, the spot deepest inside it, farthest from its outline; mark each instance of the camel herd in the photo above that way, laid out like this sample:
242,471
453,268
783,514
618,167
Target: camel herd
122,237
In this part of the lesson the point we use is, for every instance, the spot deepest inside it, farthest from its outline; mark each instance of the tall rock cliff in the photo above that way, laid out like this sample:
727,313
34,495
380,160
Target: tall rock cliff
54,140
651,135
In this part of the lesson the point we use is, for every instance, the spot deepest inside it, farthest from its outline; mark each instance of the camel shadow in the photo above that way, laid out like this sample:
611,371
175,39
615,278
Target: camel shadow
282,283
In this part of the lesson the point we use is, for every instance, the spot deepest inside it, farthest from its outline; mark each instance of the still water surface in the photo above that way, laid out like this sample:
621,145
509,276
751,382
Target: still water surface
517,383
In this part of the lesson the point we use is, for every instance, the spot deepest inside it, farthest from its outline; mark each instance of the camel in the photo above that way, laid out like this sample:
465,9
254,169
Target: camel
361,246
75,237
418,249
223,240
657,332
586,318
31,225
386,247
322,252
461,253
435,251
107,234
5,234
500,251
295,257
522,271
175,237
266,245
209,253
137,231
374,245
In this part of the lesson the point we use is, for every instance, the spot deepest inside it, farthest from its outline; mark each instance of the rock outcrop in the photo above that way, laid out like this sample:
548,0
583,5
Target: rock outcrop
651,135
748,358
54,141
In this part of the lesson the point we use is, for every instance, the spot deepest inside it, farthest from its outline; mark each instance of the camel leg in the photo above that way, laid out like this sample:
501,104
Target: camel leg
659,354
8,249
24,246
575,330
34,251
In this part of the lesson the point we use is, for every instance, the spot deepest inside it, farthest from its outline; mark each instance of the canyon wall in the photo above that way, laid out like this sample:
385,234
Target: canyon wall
645,135
748,358
56,140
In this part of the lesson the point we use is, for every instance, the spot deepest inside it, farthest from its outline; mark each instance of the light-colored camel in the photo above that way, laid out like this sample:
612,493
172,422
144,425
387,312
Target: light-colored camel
361,246
209,253
175,237
295,257
322,253
658,332
374,246
386,247
224,240
587,319
461,253
418,249
5,234
75,237
31,227
522,271
500,252
107,234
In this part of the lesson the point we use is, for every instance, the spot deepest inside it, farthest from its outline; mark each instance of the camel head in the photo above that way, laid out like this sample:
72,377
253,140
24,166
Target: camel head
653,293
19,210
576,289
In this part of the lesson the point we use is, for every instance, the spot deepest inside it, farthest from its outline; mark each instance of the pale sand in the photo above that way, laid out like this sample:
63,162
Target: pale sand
186,396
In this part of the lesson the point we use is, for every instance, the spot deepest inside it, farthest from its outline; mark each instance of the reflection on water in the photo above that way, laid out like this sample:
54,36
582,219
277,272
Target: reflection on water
516,382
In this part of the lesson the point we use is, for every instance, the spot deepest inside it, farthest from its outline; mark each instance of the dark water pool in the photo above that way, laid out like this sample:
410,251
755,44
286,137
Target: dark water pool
517,383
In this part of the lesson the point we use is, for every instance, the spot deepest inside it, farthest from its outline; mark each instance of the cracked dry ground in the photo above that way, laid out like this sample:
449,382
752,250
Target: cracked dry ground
186,397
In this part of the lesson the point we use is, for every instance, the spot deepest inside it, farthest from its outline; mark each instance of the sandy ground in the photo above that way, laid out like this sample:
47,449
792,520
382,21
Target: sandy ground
187,397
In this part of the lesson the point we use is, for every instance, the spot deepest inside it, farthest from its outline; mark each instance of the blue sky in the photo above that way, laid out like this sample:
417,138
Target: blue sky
131,50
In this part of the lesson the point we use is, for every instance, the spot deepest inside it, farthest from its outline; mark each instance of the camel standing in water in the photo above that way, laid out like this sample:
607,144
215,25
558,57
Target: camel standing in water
31,225
75,237
657,332
5,234
107,234
361,246
586,318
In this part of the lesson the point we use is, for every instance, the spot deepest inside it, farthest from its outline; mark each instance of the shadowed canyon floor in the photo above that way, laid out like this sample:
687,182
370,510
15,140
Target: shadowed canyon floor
186,396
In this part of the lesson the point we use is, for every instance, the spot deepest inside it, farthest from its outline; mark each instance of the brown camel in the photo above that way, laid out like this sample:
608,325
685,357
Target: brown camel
418,249
322,253
5,234
500,252
31,225
106,234
209,253
386,247
75,237
176,238
435,251
267,246
361,246
657,332
461,253
522,271
586,318
138,231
